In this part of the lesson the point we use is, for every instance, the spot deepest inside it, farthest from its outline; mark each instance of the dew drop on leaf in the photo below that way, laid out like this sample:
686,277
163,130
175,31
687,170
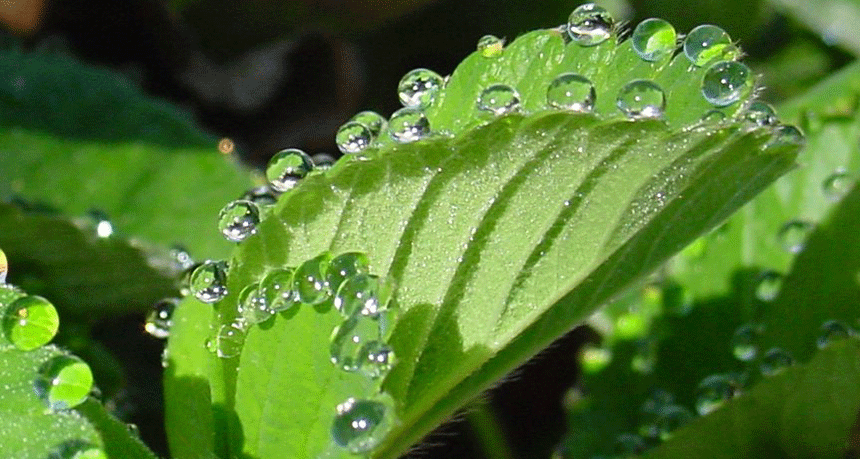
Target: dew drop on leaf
229,340
359,425
490,46
262,196
641,99
309,280
498,99
573,92
353,137
371,120
768,286
208,282
745,342
836,185
238,220
277,287
775,361
253,305
345,266
160,318
832,331
322,162
712,392
361,294
653,39
30,322
786,135
408,125
706,43
712,117
63,382
286,168
761,114
377,359
589,25
418,88
181,258
726,82
792,236
100,223
349,338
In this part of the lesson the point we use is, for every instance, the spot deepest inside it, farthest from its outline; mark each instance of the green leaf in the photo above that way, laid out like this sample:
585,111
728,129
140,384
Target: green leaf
499,239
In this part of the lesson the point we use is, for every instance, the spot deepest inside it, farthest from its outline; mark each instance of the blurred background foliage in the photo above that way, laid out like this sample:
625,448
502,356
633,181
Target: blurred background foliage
272,74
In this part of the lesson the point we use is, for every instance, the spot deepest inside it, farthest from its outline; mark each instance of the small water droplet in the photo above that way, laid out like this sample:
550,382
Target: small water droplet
262,196
713,117
208,282
837,185
63,382
353,137
238,220
371,120
769,285
359,425
309,280
408,125
706,43
641,99
761,113
287,167
322,162
628,444
570,91
160,318
101,223
345,266
786,135
181,257
775,361
377,359
832,331
589,25
670,419
726,82
418,88
712,392
361,294
653,39
278,288
745,342
792,236
30,322
499,99
253,305
229,340
348,340
490,46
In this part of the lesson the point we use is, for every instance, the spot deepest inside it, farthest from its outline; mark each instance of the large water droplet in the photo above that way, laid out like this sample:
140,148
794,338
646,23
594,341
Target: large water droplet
837,185
30,322
570,91
706,43
373,121
360,425
277,286
726,82
160,318
490,46
775,361
238,220
745,342
348,340
760,113
653,39
832,331
361,294
63,382
670,419
353,137
499,99
769,285
589,25
408,125
712,392
229,340
377,359
345,266
208,282
641,99
792,236
287,167
253,305
418,88
309,281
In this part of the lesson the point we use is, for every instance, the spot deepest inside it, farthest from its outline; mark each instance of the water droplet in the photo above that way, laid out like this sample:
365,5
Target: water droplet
322,162
377,358
238,220
726,82
30,322
287,167
345,266
253,305
832,331
309,280
160,318
641,99
760,113
418,88
713,117
499,99
712,392
837,185
490,46
570,91
792,236
101,223
361,294
4,267
628,444
229,340
775,361
348,340
408,125
360,425
589,25
63,382
706,43
208,282
278,288
786,135
353,137
745,342
77,449
769,285
371,120
653,39
181,257
670,419
262,196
